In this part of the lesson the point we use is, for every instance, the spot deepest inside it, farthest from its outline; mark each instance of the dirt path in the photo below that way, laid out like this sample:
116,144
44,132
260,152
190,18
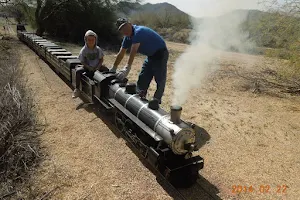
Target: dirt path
85,159
254,138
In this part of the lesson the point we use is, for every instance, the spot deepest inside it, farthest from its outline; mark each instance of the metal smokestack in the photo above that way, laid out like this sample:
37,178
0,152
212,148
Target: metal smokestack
175,114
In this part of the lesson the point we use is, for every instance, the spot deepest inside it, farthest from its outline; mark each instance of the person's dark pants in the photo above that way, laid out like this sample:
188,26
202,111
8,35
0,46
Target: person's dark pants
154,66
90,74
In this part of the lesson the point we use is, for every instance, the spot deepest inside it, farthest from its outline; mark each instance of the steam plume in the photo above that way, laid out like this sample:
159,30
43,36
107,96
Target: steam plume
209,38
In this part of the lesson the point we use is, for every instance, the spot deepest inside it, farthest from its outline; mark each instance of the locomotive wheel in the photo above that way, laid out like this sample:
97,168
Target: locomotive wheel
119,121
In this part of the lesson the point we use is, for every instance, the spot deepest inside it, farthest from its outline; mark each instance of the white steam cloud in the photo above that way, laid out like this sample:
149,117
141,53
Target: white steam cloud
210,37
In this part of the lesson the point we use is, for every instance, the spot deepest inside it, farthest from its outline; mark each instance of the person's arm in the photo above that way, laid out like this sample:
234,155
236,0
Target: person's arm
81,57
136,41
124,46
86,66
125,71
133,52
101,59
100,63
119,57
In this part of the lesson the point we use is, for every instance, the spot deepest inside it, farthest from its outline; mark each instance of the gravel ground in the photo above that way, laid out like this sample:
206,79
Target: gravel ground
254,137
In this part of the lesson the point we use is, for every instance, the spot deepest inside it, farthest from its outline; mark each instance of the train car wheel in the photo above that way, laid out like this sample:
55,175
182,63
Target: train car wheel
119,120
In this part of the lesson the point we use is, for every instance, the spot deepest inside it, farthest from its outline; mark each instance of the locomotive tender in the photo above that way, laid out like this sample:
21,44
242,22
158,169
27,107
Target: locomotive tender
163,139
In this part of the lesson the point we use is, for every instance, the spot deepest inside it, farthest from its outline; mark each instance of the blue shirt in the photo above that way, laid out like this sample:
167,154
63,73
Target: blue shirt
149,40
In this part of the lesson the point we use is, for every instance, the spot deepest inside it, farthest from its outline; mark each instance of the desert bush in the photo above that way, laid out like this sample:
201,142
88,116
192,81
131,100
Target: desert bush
175,35
162,20
279,30
181,36
19,145
70,19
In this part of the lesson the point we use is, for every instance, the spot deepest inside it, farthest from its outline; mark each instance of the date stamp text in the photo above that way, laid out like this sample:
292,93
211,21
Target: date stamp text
261,189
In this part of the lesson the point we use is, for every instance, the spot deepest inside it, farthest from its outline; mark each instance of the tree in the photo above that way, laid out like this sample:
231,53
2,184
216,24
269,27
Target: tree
285,29
72,18
162,19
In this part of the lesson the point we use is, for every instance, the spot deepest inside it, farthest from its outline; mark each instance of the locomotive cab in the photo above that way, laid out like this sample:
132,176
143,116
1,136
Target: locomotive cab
102,80
21,28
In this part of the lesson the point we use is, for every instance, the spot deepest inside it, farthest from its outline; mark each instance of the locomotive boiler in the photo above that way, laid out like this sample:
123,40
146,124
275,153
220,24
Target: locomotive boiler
163,139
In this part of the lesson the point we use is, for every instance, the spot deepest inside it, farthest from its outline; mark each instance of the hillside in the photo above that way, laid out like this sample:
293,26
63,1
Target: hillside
132,9
136,12
135,8
159,7
175,25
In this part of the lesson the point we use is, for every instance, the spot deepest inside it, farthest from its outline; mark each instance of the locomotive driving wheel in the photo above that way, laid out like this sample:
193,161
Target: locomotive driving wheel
119,120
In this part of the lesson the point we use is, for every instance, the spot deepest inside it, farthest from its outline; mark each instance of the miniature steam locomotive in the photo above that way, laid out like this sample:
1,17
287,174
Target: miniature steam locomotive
163,139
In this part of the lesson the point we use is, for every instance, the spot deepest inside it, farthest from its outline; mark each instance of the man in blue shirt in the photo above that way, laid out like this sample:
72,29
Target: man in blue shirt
141,39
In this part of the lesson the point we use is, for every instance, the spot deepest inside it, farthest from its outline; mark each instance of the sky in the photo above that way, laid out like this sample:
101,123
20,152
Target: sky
200,8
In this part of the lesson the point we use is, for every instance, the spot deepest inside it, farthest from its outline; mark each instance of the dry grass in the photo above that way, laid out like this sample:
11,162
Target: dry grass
19,146
175,35
254,136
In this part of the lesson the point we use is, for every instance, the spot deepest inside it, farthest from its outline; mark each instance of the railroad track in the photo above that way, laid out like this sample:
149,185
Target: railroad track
197,191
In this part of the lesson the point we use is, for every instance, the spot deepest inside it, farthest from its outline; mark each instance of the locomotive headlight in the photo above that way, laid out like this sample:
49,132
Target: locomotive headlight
180,137
183,142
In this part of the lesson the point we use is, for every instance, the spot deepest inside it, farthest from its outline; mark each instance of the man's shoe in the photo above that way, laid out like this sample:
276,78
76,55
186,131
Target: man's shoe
159,101
154,104
142,94
76,93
